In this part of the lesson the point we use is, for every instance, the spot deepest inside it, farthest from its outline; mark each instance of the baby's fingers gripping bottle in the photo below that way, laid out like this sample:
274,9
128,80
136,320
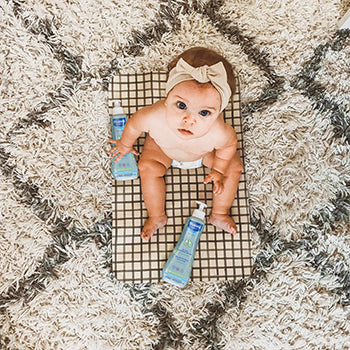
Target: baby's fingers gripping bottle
126,167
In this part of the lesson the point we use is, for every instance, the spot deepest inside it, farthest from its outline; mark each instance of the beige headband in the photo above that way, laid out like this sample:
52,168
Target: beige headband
216,74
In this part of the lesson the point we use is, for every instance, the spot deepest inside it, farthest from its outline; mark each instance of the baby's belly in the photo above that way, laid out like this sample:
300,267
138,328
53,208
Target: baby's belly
182,151
181,155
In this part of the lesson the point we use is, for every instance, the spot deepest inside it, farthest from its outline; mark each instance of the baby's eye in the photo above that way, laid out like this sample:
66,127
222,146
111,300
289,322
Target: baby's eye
181,105
204,113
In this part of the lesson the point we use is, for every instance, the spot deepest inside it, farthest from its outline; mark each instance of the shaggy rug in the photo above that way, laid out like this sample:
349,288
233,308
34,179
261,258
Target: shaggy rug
56,289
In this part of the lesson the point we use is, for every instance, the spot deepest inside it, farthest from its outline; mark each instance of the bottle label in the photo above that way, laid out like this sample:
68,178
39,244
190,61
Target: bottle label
194,227
119,123
127,163
178,268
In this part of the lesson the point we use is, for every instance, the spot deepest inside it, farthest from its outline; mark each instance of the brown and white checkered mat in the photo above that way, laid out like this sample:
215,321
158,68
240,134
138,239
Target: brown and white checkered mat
219,256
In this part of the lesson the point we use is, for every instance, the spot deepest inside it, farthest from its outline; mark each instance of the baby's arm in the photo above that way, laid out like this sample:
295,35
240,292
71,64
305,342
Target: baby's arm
223,156
133,129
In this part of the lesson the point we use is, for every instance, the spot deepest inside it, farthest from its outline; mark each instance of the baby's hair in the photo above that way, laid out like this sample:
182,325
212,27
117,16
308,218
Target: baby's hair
200,56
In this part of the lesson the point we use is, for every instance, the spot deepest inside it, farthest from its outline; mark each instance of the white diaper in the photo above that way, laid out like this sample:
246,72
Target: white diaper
187,165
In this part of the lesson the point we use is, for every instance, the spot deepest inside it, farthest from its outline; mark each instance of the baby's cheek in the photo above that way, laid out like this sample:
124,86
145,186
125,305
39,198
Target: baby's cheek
209,122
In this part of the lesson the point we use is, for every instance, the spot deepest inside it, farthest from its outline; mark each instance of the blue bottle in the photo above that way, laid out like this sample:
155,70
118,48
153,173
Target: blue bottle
177,270
125,168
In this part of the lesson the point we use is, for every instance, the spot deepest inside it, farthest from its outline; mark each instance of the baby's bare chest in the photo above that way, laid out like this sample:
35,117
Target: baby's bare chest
182,150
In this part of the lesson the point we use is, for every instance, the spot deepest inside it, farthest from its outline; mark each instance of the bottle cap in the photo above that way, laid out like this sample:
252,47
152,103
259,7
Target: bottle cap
117,108
199,213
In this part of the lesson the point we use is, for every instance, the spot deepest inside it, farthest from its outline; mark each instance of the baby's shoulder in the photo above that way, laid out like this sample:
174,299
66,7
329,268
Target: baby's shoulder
152,111
148,116
225,134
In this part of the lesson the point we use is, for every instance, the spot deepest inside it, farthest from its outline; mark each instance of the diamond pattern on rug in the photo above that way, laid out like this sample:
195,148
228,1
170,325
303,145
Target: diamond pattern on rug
219,256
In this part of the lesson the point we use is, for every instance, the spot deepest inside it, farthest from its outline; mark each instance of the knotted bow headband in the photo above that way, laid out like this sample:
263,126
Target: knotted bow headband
215,74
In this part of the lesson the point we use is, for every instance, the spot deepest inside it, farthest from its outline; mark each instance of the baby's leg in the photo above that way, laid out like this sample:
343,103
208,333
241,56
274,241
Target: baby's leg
222,203
153,164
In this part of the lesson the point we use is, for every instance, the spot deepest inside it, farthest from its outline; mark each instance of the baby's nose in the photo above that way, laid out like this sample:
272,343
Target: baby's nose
189,119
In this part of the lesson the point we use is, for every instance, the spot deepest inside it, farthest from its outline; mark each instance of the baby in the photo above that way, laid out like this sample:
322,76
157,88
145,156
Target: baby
187,130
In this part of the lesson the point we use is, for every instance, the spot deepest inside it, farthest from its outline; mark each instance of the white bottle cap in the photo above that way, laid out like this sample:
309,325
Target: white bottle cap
199,213
117,108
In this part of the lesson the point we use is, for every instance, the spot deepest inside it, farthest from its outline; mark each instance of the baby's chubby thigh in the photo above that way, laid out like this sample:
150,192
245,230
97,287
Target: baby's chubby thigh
153,164
153,161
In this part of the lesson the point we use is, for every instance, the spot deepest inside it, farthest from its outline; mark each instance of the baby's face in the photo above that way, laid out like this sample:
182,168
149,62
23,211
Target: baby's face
192,108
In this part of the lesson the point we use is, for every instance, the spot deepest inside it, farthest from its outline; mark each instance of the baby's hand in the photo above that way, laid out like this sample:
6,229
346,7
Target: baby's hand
217,179
120,150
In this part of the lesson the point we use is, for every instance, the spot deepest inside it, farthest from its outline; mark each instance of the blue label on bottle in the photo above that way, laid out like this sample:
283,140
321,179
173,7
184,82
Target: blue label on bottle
119,122
194,226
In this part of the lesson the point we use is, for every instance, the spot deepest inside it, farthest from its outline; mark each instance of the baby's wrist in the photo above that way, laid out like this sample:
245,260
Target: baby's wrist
217,171
124,144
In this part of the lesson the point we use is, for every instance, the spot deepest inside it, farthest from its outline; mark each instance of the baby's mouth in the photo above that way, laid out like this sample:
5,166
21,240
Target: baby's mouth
185,132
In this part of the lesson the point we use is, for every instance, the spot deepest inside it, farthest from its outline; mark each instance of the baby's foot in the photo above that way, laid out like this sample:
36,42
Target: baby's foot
223,222
152,224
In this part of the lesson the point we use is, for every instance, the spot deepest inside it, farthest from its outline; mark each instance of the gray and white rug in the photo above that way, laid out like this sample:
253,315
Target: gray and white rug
56,290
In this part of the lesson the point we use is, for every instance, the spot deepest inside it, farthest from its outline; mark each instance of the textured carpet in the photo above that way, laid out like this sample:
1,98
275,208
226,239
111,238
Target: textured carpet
56,289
